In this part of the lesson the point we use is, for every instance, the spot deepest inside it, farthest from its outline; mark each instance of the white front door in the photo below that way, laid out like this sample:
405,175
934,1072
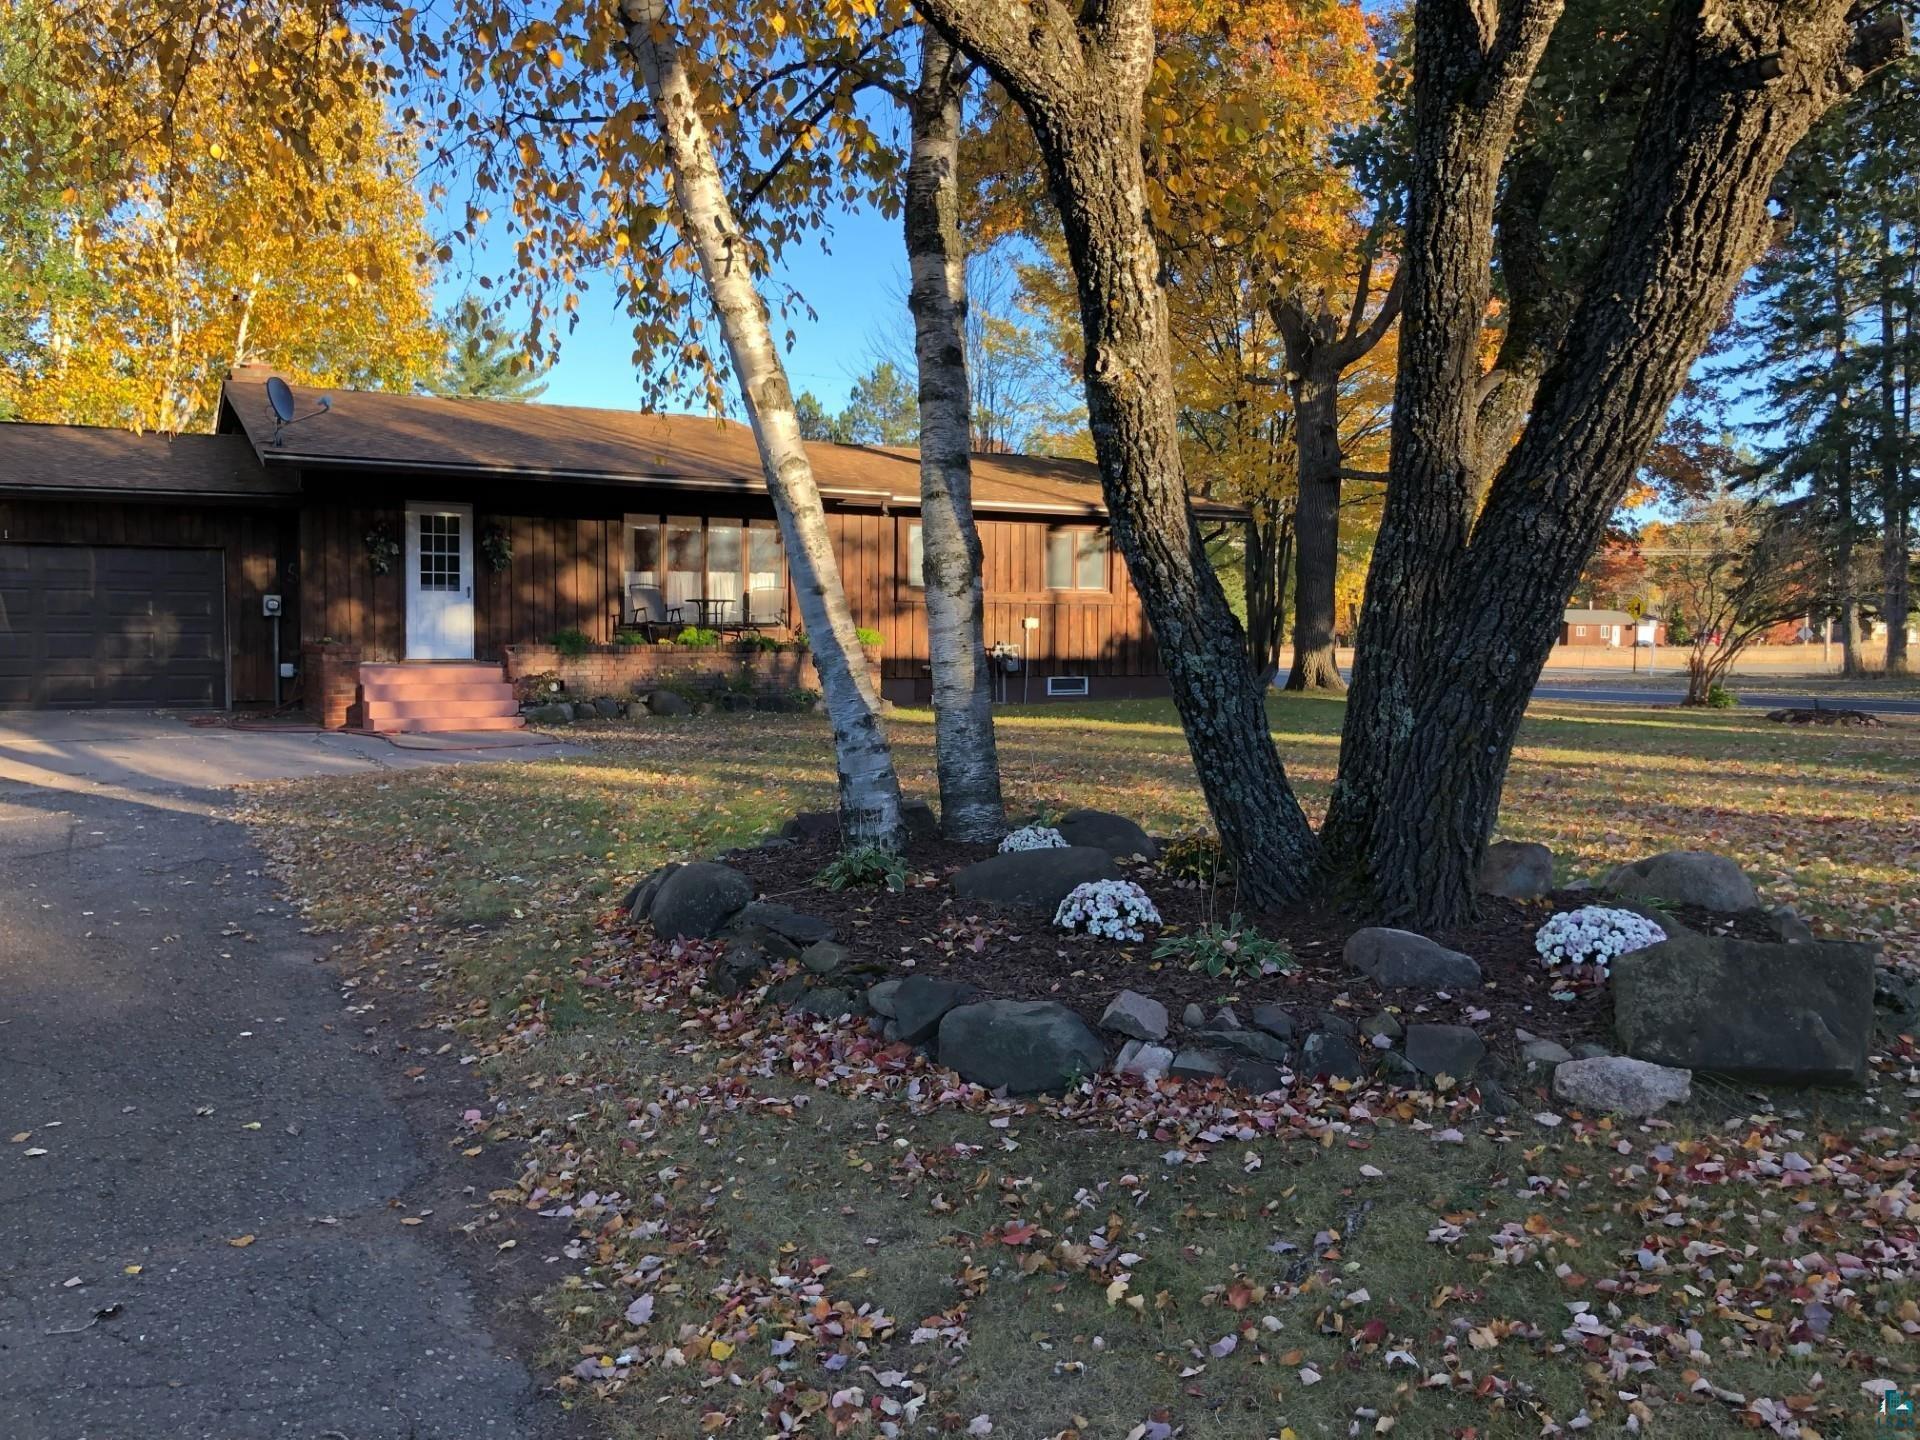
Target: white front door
439,582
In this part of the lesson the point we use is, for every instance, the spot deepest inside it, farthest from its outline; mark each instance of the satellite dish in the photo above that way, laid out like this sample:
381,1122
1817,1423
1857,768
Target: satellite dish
280,401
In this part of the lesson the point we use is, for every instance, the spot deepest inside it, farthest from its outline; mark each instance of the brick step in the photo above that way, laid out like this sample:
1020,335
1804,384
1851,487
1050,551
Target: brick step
434,707
429,725
433,672
412,690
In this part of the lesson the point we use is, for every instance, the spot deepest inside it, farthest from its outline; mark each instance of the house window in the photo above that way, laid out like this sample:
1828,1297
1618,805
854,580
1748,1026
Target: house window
439,552
766,574
643,549
725,557
916,558
685,562
1076,560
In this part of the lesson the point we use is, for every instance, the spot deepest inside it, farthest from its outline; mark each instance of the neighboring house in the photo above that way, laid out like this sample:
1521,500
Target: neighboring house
1610,627
134,568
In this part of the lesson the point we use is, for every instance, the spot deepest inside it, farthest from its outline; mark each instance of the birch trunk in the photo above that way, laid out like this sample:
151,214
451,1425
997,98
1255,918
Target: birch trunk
869,788
964,753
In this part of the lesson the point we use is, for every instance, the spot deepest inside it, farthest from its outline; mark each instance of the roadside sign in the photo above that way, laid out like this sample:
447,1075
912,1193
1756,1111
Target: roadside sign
1636,607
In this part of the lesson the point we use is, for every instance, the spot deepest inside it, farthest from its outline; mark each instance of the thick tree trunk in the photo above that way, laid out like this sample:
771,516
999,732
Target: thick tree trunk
1269,567
1896,600
1082,90
964,753
1454,634
869,789
1316,407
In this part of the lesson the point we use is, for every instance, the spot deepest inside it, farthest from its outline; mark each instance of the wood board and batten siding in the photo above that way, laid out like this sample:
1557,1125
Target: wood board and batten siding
572,550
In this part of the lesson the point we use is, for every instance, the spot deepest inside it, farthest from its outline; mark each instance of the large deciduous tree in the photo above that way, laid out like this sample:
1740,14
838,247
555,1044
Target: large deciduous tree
869,788
1461,612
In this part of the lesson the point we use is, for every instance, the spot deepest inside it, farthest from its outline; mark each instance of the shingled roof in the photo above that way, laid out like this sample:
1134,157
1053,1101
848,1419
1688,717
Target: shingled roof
82,459
368,428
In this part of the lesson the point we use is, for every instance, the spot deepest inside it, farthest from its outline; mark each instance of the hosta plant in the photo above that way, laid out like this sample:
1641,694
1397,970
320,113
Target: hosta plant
1594,935
1033,837
863,865
1230,949
1114,909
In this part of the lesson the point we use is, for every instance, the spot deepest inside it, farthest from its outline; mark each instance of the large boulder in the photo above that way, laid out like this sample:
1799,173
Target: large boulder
639,900
920,1003
1436,1050
1516,870
1794,1012
668,702
1402,960
1115,834
1618,1085
1021,1046
1684,877
1033,879
697,900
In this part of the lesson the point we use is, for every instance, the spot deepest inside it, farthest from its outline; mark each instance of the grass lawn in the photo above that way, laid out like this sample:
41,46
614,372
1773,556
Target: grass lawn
773,1230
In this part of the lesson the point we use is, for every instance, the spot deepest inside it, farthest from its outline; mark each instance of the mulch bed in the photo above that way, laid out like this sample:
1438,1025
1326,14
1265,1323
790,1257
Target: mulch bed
926,931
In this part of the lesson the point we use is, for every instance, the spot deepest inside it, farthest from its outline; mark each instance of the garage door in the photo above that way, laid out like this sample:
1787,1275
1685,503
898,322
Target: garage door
89,625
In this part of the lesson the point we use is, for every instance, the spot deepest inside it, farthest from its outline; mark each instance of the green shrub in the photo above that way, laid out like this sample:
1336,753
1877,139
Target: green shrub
1719,697
571,643
1197,856
695,638
868,637
863,865
760,643
630,637
1231,949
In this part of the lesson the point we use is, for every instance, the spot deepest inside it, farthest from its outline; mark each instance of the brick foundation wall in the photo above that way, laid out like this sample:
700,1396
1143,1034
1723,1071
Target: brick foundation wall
329,681
624,670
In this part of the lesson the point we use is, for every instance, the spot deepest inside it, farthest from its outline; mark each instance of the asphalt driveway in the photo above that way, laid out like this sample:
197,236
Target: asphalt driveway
197,1238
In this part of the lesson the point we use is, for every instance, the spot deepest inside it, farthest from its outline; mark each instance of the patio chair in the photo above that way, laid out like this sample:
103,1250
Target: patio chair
766,607
649,612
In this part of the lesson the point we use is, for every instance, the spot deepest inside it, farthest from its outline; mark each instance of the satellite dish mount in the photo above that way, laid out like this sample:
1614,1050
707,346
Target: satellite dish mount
280,405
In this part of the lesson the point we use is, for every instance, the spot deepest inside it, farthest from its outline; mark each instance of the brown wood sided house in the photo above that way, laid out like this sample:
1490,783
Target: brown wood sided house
138,569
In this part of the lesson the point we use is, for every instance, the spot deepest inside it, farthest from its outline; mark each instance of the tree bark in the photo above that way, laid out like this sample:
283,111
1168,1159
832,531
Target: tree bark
1896,599
1459,621
869,788
1843,497
1080,77
964,752
1316,403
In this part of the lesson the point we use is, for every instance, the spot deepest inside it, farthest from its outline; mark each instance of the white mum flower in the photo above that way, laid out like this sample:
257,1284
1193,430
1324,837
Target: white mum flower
1115,909
1033,837
1594,935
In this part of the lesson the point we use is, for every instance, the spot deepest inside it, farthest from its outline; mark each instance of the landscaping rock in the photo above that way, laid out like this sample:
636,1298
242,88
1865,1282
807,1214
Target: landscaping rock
789,990
667,702
1115,834
1591,1050
1261,1077
828,1002
1396,1069
1437,1050
1021,1046
554,712
823,957
1143,1059
1798,1013
1253,1044
1618,1085
698,899
1545,1053
1325,1053
1193,1063
1336,1023
1383,1025
813,825
639,900
1273,1019
608,708
1897,1000
1684,877
1788,926
1136,1015
1516,870
880,996
1493,1099
1035,880
1225,1019
921,1002
1193,1017
784,920
1402,960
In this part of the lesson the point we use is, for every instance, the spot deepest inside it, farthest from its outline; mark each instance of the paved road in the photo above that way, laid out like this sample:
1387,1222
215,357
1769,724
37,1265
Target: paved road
178,1067
1877,704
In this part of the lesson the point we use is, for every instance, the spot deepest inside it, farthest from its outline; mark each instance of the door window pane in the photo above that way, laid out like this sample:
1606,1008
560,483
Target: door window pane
916,557
1093,560
683,560
766,557
1060,560
643,551
439,552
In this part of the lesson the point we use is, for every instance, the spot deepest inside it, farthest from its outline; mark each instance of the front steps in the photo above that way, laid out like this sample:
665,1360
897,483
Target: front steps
429,696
